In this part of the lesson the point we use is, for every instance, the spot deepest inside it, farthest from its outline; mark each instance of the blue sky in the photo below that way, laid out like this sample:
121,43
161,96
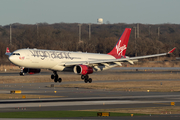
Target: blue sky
87,11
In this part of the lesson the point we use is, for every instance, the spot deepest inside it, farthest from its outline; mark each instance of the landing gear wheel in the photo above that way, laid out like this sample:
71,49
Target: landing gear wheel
21,73
82,77
86,77
86,80
90,80
55,80
60,80
52,76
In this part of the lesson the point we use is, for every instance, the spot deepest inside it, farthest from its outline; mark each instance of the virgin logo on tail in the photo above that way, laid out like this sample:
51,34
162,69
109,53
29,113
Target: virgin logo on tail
120,48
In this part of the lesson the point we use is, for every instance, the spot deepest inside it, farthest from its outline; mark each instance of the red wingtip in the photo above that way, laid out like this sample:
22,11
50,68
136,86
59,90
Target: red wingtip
171,51
7,50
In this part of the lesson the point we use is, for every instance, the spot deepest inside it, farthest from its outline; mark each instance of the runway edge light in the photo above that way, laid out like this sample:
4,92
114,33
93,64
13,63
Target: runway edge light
23,96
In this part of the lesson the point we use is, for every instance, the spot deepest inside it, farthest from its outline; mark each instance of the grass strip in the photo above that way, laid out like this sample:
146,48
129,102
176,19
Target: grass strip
56,114
167,109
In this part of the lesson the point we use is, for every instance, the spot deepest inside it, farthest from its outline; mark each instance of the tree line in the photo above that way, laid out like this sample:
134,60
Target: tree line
65,36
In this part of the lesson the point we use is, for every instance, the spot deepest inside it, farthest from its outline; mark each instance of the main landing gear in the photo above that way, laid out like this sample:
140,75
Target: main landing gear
86,78
55,77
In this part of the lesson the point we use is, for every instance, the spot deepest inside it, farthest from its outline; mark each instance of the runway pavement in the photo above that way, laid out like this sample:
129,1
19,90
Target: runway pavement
83,99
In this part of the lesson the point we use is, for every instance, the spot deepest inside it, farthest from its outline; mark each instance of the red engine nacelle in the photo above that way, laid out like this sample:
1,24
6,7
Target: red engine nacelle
31,70
83,69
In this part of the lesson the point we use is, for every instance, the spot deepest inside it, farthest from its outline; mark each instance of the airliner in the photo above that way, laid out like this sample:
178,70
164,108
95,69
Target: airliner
31,61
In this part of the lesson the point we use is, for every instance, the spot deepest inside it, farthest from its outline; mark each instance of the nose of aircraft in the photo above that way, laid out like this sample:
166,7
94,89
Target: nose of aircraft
11,58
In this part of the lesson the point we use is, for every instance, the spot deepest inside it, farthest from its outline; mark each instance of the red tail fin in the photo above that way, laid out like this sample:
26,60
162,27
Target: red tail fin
120,49
7,50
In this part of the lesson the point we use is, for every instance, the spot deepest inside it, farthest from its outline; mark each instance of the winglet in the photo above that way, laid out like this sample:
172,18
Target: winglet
8,52
171,51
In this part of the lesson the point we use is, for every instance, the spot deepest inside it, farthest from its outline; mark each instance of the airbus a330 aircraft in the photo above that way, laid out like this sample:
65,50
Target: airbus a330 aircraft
33,60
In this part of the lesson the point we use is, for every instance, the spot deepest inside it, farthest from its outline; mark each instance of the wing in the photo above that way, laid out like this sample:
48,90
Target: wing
105,62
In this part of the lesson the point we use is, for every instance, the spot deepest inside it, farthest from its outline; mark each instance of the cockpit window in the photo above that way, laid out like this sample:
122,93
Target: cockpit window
15,54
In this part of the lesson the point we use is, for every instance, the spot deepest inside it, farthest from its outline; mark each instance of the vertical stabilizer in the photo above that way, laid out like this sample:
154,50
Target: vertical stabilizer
120,49
8,52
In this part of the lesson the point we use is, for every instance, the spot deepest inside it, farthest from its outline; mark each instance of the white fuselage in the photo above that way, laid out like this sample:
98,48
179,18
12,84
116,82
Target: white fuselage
52,59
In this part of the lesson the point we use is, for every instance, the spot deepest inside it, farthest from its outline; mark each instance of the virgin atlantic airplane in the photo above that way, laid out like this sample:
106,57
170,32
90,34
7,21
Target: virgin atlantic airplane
31,61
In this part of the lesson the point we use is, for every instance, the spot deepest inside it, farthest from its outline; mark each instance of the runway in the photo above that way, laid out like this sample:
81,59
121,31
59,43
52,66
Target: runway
82,99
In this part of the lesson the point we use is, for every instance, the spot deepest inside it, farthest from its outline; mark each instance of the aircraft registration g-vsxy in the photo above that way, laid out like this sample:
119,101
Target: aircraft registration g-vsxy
33,60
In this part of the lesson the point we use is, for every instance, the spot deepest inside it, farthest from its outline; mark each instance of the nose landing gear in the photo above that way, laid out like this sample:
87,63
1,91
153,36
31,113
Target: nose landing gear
22,72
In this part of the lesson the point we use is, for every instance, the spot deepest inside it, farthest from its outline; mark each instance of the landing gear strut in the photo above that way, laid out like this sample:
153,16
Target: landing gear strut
55,77
86,78
21,73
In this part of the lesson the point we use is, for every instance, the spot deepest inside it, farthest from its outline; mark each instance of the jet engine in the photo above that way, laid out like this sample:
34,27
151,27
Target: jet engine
83,69
31,70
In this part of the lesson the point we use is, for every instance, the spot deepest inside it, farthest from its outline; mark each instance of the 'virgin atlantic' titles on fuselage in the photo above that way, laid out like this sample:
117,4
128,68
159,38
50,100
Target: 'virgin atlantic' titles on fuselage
51,54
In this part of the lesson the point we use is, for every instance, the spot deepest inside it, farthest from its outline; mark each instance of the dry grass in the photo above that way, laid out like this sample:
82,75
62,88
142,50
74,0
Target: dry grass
9,68
73,77
144,85
152,86
19,96
35,78
156,64
149,110
23,79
